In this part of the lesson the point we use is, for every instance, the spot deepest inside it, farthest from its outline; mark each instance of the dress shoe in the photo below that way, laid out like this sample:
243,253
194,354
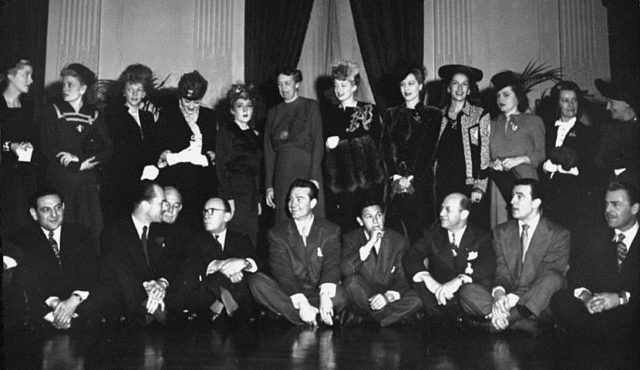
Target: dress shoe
473,325
348,318
528,326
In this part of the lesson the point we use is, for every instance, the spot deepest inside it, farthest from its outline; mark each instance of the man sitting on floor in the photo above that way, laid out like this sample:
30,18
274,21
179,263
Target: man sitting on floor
215,275
58,270
456,253
373,275
532,255
605,280
139,260
304,256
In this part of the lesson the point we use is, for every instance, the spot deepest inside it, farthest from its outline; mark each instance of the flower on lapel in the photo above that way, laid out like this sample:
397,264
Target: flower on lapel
160,241
469,269
472,255
319,253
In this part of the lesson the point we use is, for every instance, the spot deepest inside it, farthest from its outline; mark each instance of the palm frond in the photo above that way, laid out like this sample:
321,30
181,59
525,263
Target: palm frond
536,73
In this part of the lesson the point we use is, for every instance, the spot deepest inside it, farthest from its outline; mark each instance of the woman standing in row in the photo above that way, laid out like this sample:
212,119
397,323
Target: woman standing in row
409,137
462,154
18,180
131,129
75,141
353,165
238,159
517,142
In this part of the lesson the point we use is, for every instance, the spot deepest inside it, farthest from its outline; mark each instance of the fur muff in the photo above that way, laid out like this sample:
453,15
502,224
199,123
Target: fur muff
354,164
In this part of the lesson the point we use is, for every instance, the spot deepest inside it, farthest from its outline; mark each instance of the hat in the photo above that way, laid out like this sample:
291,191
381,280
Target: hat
618,90
504,79
192,86
446,72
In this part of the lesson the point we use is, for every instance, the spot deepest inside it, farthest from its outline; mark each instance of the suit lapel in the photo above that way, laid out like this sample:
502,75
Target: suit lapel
537,249
510,249
135,244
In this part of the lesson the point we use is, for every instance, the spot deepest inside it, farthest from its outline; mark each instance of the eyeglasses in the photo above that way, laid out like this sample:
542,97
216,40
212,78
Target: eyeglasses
209,211
174,206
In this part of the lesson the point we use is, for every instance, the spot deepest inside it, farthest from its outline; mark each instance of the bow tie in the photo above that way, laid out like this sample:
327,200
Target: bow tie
566,125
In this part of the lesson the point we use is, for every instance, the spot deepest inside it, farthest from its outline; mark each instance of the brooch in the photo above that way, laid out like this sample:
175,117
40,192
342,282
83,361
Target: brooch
284,135
79,128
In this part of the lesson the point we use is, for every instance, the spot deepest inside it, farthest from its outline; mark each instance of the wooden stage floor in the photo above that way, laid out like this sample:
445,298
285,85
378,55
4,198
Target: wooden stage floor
267,344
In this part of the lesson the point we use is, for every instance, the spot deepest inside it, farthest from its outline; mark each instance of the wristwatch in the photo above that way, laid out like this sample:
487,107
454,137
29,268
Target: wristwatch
623,297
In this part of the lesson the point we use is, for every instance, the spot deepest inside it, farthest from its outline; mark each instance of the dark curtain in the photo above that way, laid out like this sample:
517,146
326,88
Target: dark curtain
274,34
623,18
23,35
390,33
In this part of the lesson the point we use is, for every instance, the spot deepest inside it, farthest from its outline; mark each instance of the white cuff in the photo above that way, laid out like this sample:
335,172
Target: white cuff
50,300
9,262
329,289
419,276
82,293
212,268
513,299
394,294
577,292
298,299
173,158
253,265
493,291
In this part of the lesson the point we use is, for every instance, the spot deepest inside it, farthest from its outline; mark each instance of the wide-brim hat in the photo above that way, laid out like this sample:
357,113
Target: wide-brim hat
446,72
506,78
618,90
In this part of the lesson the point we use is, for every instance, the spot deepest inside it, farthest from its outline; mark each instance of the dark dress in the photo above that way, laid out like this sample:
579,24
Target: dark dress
238,159
83,134
408,139
18,179
354,169
132,151
195,183
293,148
572,201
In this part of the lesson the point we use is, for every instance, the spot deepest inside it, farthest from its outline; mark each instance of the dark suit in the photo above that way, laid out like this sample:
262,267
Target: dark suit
300,269
542,273
132,151
443,266
376,275
597,270
194,290
40,276
124,260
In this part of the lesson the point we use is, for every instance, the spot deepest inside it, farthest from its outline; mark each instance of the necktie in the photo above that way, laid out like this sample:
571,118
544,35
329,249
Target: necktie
374,253
55,247
524,240
305,233
621,249
453,241
145,248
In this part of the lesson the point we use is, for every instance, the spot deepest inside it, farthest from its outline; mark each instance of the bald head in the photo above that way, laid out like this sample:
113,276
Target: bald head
174,199
454,212
215,215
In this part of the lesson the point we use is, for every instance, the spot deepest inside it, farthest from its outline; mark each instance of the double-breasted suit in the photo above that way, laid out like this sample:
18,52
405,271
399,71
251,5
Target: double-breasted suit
299,268
194,290
377,274
40,275
473,257
541,274
124,259
596,269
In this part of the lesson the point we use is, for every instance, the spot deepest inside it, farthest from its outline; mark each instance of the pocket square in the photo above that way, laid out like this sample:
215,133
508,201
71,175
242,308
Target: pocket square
472,255
319,252
393,269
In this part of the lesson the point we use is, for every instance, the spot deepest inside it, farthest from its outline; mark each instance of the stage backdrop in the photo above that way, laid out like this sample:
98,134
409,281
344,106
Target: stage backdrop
176,36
